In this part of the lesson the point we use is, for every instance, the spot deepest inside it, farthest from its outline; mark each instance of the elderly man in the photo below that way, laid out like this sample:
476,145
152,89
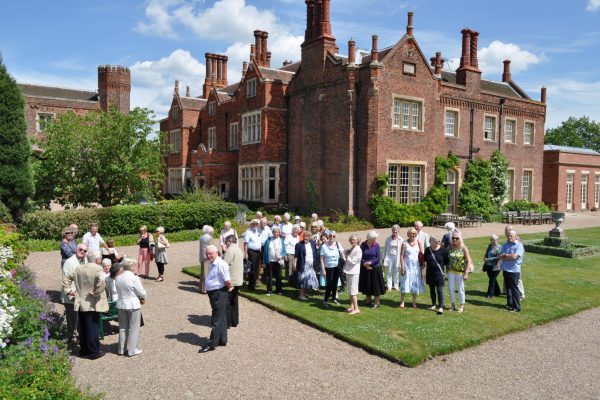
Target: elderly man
252,250
68,267
90,301
512,258
218,284
205,240
264,232
235,259
422,236
290,248
93,240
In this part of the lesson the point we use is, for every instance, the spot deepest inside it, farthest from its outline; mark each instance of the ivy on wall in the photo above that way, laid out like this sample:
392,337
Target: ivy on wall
499,166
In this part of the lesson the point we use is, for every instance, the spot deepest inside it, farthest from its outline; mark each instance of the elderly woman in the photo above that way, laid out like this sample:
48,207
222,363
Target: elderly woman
226,231
491,265
411,265
130,291
371,273
459,265
307,258
144,241
436,259
290,247
106,264
161,245
447,238
330,253
273,258
391,258
68,245
352,271
111,286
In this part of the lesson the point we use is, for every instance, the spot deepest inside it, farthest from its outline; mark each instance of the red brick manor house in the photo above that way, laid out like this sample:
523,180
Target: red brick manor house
340,121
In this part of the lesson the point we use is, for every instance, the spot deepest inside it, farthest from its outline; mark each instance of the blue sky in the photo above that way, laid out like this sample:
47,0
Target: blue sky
551,43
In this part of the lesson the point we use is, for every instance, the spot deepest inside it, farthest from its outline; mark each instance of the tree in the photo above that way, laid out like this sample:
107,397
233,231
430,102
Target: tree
16,184
499,166
575,132
475,193
103,157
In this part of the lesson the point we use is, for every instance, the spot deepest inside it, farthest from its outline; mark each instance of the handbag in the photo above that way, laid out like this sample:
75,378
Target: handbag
436,262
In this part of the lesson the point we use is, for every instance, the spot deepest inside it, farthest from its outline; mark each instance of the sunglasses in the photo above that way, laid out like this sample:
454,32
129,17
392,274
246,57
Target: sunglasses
455,238
82,250
69,233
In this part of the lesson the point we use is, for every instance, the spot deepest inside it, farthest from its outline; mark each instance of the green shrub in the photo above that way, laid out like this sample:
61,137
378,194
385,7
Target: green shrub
524,205
200,195
475,195
5,215
123,220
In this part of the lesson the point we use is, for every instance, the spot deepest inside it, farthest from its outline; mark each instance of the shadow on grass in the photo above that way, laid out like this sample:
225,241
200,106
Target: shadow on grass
189,338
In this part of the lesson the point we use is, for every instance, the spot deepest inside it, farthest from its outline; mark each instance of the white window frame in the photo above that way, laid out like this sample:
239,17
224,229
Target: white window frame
569,183
513,123
585,180
212,108
494,126
251,88
44,115
408,113
510,185
234,135
175,140
175,113
251,127
530,187
254,184
453,132
175,179
212,137
597,189
531,140
409,195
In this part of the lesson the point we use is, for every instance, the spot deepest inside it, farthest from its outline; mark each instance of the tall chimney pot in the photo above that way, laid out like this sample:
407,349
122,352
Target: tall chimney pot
439,63
326,24
465,58
258,47
506,74
310,20
409,26
187,91
176,90
374,52
252,52
351,51
543,95
263,48
473,50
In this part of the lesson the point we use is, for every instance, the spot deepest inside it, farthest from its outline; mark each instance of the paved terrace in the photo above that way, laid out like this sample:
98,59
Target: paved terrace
269,356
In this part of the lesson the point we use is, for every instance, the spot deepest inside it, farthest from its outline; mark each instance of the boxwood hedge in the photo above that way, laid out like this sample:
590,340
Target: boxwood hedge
123,220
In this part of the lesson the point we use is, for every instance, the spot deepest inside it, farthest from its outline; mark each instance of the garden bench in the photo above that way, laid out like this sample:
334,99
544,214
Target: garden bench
112,314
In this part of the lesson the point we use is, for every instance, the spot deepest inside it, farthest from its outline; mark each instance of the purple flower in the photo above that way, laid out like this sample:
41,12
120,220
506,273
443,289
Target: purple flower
29,342
7,340
44,347
55,350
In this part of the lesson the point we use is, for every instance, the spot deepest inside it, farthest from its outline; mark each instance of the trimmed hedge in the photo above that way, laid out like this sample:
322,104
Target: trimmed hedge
124,220
569,250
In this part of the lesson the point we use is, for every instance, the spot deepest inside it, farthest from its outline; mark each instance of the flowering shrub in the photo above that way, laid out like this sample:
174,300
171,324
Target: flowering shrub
34,362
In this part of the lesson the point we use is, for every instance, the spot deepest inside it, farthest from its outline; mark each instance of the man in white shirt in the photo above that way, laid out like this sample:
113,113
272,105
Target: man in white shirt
290,248
422,236
218,284
69,301
286,226
252,251
93,240
264,232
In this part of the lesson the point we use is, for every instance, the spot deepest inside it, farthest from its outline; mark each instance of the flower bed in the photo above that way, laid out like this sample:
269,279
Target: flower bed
567,250
34,362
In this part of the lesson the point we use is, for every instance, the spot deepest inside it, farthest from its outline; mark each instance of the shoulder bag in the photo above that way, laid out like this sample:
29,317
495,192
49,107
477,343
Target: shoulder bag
436,262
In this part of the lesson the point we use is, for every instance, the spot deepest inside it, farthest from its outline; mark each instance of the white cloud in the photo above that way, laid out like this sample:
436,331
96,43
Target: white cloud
568,97
160,20
593,5
492,56
153,81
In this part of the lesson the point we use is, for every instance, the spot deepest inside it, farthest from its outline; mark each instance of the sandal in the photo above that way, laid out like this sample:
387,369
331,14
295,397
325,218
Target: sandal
159,279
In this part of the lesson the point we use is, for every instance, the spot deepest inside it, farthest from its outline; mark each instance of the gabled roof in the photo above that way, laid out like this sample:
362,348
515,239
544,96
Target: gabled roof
569,149
503,89
293,67
231,89
222,97
192,103
57,93
276,74
382,53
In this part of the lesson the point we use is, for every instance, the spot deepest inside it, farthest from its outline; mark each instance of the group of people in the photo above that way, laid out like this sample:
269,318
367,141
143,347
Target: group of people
95,274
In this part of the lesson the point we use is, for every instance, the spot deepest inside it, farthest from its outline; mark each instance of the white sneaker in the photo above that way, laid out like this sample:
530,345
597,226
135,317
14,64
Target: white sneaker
136,352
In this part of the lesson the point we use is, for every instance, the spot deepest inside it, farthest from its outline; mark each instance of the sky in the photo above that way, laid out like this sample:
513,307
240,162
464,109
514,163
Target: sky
551,43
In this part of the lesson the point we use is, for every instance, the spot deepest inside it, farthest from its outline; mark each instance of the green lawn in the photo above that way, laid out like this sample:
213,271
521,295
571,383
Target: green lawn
555,288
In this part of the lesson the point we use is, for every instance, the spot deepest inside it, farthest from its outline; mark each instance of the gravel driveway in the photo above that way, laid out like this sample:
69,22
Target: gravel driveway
269,356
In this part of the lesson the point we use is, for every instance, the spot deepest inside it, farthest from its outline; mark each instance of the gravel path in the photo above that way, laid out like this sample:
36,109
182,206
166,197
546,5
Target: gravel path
271,356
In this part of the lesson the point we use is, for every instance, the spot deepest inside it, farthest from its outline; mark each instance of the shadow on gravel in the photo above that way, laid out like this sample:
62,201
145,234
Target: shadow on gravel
189,338
54,295
203,320
188,286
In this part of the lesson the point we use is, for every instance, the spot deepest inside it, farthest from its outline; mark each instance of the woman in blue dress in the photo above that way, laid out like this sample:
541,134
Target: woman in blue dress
411,263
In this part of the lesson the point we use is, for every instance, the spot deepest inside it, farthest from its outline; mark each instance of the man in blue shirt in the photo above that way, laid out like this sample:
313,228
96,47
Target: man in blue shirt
512,259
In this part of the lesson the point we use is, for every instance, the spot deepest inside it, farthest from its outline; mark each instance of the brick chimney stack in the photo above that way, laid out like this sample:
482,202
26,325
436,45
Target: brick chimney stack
409,26
326,23
268,63
176,89
252,52
318,27
208,76
258,47
506,73
374,51
187,91
473,50
543,95
224,71
439,63
219,70
263,49
351,51
213,77
310,20
465,58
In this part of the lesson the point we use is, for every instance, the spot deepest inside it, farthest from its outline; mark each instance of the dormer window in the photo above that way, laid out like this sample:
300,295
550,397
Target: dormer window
212,108
251,88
